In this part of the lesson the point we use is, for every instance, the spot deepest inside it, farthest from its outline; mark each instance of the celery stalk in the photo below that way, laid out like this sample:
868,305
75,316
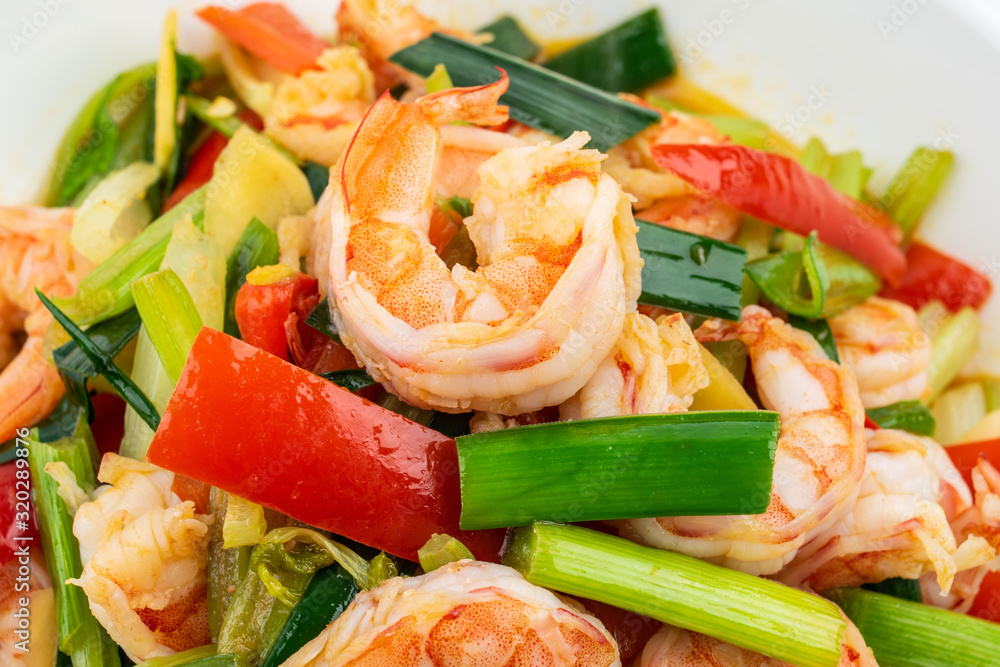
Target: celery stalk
169,315
226,567
913,188
953,346
958,410
244,524
165,127
182,658
440,550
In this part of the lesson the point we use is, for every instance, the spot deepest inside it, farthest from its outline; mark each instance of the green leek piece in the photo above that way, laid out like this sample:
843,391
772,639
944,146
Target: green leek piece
907,634
757,614
510,38
904,589
953,345
226,567
817,283
321,320
911,416
106,291
351,380
244,524
257,246
690,273
679,464
80,635
182,658
171,319
105,365
324,600
913,188
440,550
537,97
228,125
957,410
381,568
820,330
625,59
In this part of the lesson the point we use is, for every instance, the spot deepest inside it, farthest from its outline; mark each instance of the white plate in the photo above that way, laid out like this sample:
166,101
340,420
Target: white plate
879,76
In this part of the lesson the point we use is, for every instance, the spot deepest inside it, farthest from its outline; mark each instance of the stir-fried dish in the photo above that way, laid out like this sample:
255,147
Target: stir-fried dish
417,345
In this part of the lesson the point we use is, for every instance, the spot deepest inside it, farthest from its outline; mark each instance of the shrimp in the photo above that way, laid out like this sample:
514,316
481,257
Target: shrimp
559,263
662,197
36,252
41,618
144,555
818,464
898,526
463,613
676,647
315,114
883,343
654,368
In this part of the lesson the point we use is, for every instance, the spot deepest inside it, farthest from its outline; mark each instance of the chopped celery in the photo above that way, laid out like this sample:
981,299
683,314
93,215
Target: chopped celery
106,291
755,613
537,97
625,59
958,410
381,568
908,634
912,189
257,246
172,322
932,316
741,130
844,171
509,37
911,416
440,550
953,345
226,567
679,464
244,524
724,391
80,635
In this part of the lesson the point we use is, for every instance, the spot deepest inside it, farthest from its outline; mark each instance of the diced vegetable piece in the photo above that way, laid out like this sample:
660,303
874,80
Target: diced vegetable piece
230,125
510,38
106,291
740,130
325,599
537,97
845,172
381,568
165,135
691,273
741,609
252,179
226,567
932,275
958,410
244,524
105,365
904,589
724,391
257,246
932,315
264,304
80,635
952,347
171,319
269,31
820,330
114,212
987,428
778,190
908,634
991,390
816,283
441,550
913,188
625,59
911,416
681,464
325,437
182,658
438,80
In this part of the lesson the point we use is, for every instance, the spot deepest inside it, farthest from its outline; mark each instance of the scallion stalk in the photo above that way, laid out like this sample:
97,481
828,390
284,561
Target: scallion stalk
913,188
680,464
757,614
228,125
244,524
182,658
80,634
440,550
171,319
953,345
911,416
908,634
257,246
625,59
106,291
510,38
537,97
381,568
226,567
897,587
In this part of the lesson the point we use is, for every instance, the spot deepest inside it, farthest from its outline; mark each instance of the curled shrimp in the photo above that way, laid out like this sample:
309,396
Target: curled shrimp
35,251
882,341
463,613
656,367
37,630
898,526
675,647
559,264
818,464
144,555
315,114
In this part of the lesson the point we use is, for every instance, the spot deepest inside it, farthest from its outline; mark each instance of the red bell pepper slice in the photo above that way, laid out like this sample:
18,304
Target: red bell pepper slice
108,426
263,308
931,275
17,517
270,32
268,431
987,603
966,456
779,191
